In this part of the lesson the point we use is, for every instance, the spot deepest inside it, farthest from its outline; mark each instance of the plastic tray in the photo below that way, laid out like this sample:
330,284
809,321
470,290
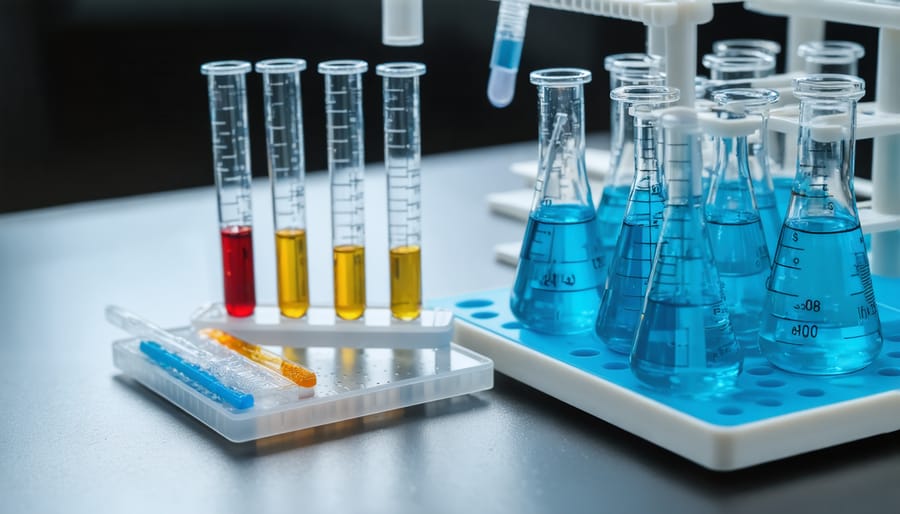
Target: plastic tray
772,415
351,383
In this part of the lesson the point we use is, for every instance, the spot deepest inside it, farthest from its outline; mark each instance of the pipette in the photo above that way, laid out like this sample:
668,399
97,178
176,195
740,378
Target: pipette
291,370
284,142
346,164
508,40
402,159
231,164
226,366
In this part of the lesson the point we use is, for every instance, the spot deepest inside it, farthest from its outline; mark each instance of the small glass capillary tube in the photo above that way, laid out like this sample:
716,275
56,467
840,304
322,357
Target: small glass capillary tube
284,141
402,160
346,163
231,164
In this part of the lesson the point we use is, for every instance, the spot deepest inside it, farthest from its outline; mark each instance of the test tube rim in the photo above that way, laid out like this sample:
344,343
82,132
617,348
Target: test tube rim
560,77
402,69
765,46
755,100
228,67
280,65
343,67
730,63
645,94
829,86
831,52
632,63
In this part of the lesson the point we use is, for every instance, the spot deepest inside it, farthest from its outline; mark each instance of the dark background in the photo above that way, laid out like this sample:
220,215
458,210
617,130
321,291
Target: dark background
104,98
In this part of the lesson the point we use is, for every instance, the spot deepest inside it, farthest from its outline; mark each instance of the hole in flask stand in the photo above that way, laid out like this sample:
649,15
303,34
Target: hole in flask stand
730,411
473,304
760,371
484,314
889,372
768,402
811,393
512,325
585,352
894,355
615,365
770,383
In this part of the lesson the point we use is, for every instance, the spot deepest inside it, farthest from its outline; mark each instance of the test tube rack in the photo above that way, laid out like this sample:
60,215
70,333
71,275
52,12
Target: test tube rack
772,414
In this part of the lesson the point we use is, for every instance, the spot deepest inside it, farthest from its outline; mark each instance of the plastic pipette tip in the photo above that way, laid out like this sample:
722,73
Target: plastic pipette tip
291,370
501,86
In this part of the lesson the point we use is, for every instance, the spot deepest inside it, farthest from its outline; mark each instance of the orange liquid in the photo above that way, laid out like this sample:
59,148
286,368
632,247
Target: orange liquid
293,276
349,281
406,282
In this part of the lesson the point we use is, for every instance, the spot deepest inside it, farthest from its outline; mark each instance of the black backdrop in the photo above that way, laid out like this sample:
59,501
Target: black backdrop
103,98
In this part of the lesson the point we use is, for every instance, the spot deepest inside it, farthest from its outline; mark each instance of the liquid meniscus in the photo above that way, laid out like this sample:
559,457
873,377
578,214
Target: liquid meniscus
293,275
820,315
406,282
349,281
560,276
237,265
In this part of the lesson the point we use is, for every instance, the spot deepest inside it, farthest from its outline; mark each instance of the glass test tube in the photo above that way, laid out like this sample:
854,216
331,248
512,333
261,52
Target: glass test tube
744,46
508,39
831,56
231,164
284,141
742,66
346,163
402,159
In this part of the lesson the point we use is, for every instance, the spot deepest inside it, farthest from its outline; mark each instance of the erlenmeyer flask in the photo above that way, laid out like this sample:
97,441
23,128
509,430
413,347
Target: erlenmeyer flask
560,272
733,215
820,315
624,70
684,343
629,269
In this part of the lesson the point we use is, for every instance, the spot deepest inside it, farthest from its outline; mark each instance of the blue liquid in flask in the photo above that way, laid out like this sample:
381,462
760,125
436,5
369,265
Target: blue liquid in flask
782,185
684,343
820,316
560,274
610,214
743,275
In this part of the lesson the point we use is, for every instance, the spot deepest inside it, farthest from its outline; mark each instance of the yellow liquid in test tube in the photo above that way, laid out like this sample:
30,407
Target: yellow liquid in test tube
406,282
293,276
349,281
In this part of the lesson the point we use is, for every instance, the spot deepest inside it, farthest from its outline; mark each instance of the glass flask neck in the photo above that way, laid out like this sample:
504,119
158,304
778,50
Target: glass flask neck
562,177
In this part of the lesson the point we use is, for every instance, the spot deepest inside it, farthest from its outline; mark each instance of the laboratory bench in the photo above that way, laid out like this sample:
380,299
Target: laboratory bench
81,437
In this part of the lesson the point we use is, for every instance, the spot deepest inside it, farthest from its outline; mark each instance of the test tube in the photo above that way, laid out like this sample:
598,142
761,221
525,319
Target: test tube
831,56
346,163
402,159
231,165
744,46
284,142
512,17
743,66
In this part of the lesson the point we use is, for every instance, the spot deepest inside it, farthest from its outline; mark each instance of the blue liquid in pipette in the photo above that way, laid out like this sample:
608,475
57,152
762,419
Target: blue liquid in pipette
620,309
820,315
560,276
507,53
610,214
743,273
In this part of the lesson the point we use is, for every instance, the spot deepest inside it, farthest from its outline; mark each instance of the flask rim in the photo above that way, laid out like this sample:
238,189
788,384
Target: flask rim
560,77
827,86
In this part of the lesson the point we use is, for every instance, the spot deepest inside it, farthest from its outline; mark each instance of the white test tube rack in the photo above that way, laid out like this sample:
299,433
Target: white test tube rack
672,33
